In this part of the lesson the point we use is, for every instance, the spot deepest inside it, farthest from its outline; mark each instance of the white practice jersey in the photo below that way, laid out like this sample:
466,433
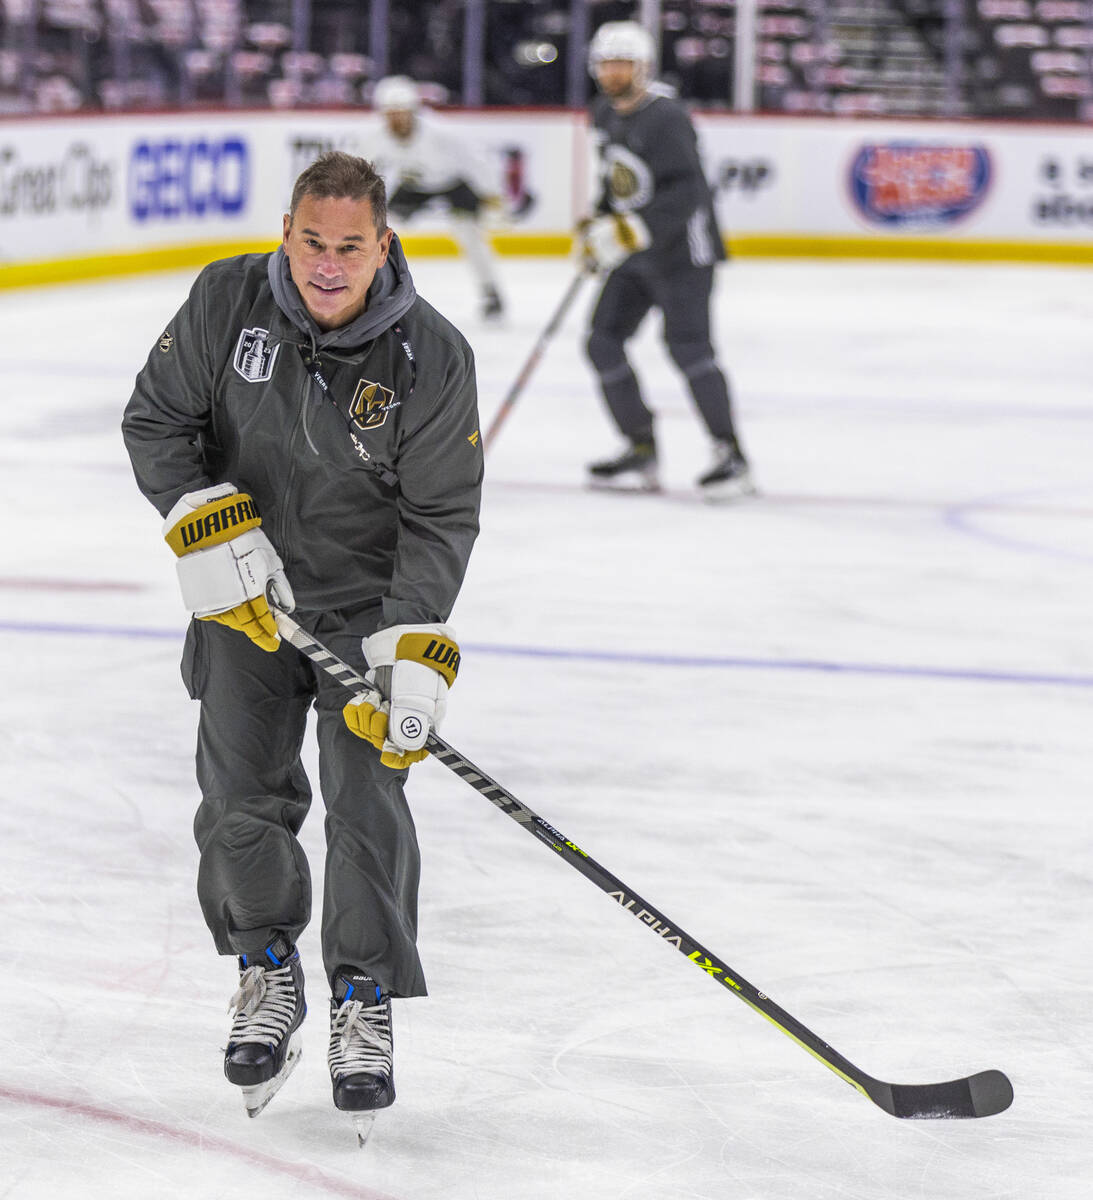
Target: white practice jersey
430,159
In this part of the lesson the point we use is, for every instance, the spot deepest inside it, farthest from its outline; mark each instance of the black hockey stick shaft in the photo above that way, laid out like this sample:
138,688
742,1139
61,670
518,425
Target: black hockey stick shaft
979,1095
533,358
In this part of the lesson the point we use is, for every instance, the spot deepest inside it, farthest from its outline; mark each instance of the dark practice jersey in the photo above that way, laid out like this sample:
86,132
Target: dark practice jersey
226,396
650,166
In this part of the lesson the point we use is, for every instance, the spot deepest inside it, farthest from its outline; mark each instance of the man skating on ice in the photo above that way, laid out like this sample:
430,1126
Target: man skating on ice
656,237
307,426
423,164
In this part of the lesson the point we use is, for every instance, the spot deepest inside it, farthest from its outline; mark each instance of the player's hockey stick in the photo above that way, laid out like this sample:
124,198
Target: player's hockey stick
979,1095
533,358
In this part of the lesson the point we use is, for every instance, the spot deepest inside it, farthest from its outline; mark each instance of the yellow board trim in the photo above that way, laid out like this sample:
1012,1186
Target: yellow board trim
442,246
533,243
123,262
866,246
743,245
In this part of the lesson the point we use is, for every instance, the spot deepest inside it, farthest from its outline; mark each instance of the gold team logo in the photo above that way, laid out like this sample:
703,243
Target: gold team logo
628,177
624,181
166,341
371,403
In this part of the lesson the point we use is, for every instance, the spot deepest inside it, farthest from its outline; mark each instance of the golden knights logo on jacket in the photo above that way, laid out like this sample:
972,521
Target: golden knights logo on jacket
371,403
254,356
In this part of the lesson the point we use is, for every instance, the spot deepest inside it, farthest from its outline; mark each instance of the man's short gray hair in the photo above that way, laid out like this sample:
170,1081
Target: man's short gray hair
340,176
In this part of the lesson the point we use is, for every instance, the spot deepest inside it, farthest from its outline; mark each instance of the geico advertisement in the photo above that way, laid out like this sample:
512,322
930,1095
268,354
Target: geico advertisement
91,186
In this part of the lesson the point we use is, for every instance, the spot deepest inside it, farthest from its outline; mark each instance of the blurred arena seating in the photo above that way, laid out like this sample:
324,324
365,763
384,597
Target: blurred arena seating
1003,58
1033,57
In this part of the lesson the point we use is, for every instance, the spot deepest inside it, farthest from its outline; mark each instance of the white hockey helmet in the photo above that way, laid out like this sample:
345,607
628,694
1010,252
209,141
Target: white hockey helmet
396,93
627,41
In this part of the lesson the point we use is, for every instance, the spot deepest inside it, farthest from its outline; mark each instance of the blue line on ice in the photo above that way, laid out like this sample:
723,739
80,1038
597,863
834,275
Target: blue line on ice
723,663
963,518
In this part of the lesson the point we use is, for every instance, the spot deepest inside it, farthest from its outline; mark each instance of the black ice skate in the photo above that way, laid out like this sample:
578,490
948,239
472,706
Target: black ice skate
264,1044
361,1053
492,307
634,470
729,476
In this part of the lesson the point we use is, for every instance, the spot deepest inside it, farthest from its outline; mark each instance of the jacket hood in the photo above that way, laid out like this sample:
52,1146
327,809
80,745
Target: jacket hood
390,297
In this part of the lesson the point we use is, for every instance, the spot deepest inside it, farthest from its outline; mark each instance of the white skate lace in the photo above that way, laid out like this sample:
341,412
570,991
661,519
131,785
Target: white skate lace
360,1040
264,1005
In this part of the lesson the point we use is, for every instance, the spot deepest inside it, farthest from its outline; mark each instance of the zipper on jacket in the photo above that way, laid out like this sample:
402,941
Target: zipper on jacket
290,478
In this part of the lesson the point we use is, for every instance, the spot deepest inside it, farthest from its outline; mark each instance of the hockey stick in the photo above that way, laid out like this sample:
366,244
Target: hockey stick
979,1095
533,358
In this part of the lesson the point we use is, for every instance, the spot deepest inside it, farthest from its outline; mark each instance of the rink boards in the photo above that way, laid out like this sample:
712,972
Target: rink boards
92,195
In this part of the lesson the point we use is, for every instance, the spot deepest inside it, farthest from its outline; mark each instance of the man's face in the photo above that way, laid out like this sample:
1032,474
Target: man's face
616,78
400,123
333,255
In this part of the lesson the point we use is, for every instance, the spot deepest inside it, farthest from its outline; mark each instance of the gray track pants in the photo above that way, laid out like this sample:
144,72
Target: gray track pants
253,878
683,296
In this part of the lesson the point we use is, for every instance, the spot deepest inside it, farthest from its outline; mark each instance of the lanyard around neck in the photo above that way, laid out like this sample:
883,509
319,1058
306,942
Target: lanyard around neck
311,365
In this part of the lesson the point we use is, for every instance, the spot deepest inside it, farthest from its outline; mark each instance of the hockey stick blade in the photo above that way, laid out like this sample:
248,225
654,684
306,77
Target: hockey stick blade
981,1095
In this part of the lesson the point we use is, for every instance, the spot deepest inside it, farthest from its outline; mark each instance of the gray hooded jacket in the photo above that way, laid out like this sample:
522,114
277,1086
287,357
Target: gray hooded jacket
370,489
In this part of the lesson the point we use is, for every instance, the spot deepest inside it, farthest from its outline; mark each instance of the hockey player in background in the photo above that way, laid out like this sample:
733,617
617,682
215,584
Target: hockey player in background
423,164
307,426
655,235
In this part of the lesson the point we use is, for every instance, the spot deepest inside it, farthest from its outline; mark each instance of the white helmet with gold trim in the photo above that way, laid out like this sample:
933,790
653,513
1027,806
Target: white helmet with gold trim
626,41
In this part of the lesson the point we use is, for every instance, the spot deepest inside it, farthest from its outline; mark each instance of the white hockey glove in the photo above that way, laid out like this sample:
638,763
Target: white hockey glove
606,241
412,667
226,563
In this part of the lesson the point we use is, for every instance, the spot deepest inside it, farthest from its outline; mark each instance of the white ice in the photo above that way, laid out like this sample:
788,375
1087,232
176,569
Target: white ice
839,733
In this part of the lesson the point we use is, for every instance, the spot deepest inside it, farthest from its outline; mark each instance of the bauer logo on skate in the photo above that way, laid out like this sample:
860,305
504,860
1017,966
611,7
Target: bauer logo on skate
902,185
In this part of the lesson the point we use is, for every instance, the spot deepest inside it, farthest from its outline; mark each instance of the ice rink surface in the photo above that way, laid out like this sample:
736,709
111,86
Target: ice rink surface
839,733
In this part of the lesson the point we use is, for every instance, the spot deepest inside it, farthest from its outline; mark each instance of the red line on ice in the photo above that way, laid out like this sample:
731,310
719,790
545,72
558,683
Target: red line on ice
196,1139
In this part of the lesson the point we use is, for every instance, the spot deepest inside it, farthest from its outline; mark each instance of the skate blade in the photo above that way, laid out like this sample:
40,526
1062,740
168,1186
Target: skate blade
363,1123
632,487
256,1098
730,489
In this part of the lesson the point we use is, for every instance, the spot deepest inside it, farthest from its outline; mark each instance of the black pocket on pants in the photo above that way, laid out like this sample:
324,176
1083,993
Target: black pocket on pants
195,660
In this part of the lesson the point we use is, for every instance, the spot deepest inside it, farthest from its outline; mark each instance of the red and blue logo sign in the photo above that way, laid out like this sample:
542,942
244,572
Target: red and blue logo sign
906,184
